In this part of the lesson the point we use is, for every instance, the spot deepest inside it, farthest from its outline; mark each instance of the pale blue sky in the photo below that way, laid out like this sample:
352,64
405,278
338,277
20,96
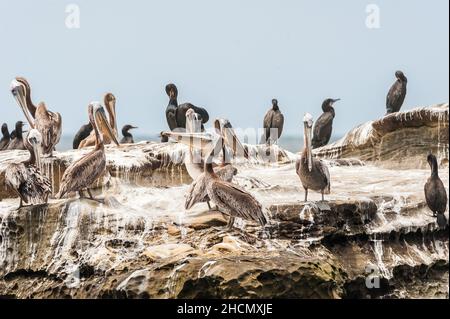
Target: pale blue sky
230,56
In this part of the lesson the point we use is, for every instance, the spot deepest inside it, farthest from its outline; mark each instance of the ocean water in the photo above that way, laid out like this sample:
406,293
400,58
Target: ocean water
292,143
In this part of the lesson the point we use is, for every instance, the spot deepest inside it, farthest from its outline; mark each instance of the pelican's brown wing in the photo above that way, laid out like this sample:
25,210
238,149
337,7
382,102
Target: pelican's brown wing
325,173
82,173
237,202
50,128
196,192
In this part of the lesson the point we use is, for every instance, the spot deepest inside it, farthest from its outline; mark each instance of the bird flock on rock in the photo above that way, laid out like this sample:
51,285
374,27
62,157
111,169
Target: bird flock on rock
186,122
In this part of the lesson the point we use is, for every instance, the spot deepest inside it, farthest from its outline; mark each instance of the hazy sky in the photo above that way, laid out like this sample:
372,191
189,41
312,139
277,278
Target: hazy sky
230,56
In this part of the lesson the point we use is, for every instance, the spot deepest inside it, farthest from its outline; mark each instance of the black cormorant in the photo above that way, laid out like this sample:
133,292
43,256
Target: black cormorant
324,124
82,133
396,94
176,114
435,193
5,137
17,142
127,137
273,124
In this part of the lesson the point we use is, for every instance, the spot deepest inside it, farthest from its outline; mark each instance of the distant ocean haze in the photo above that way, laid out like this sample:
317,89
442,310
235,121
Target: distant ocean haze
289,142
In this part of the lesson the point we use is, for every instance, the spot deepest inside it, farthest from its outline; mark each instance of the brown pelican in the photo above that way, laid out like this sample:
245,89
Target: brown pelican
82,133
16,142
197,192
110,105
324,124
229,198
313,173
85,171
397,93
176,114
127,137
48,123
6,137
273,124
26,178
435,193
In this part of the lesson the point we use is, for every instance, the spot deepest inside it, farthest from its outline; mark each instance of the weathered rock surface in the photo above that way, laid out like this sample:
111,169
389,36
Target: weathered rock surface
400,140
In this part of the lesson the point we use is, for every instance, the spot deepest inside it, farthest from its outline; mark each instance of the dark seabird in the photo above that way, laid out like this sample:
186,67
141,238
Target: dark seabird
164,138
324,124
313,173
396,94
273,124
26,178
82,133
127,137
81,174
176,114
435,193
6,137
17,142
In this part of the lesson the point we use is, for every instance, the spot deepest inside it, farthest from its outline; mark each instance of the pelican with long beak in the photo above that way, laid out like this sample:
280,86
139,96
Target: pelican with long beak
313,173
110,105
85,171
26,178
229,198
48,123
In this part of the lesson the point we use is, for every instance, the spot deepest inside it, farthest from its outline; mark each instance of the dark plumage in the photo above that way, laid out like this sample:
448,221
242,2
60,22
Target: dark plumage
273,124
324,124
435,193
5,137
313,173
397,93
127,136
176,114
82,133
17,142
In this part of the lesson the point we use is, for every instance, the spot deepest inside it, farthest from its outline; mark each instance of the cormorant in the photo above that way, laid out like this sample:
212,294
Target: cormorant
5,138
324,124
17,142
127,137
435,193
313,173
82,133
273,124
176,114
396,94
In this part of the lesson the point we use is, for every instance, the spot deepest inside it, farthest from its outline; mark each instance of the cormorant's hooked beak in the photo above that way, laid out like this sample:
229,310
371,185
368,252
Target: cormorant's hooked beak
100,116
336,100
18,92
225,129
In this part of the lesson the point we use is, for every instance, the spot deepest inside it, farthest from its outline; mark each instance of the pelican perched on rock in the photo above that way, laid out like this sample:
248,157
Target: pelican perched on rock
85,171
313,173
273,124
110,105
176,114
196,192
127,136
26,178
84,131
6,137
48,123
16,142
435,193
324,124
229,198
397,93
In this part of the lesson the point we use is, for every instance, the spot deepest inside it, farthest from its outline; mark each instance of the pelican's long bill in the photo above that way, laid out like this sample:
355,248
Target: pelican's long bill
100,118
308,123
202,141
18,91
